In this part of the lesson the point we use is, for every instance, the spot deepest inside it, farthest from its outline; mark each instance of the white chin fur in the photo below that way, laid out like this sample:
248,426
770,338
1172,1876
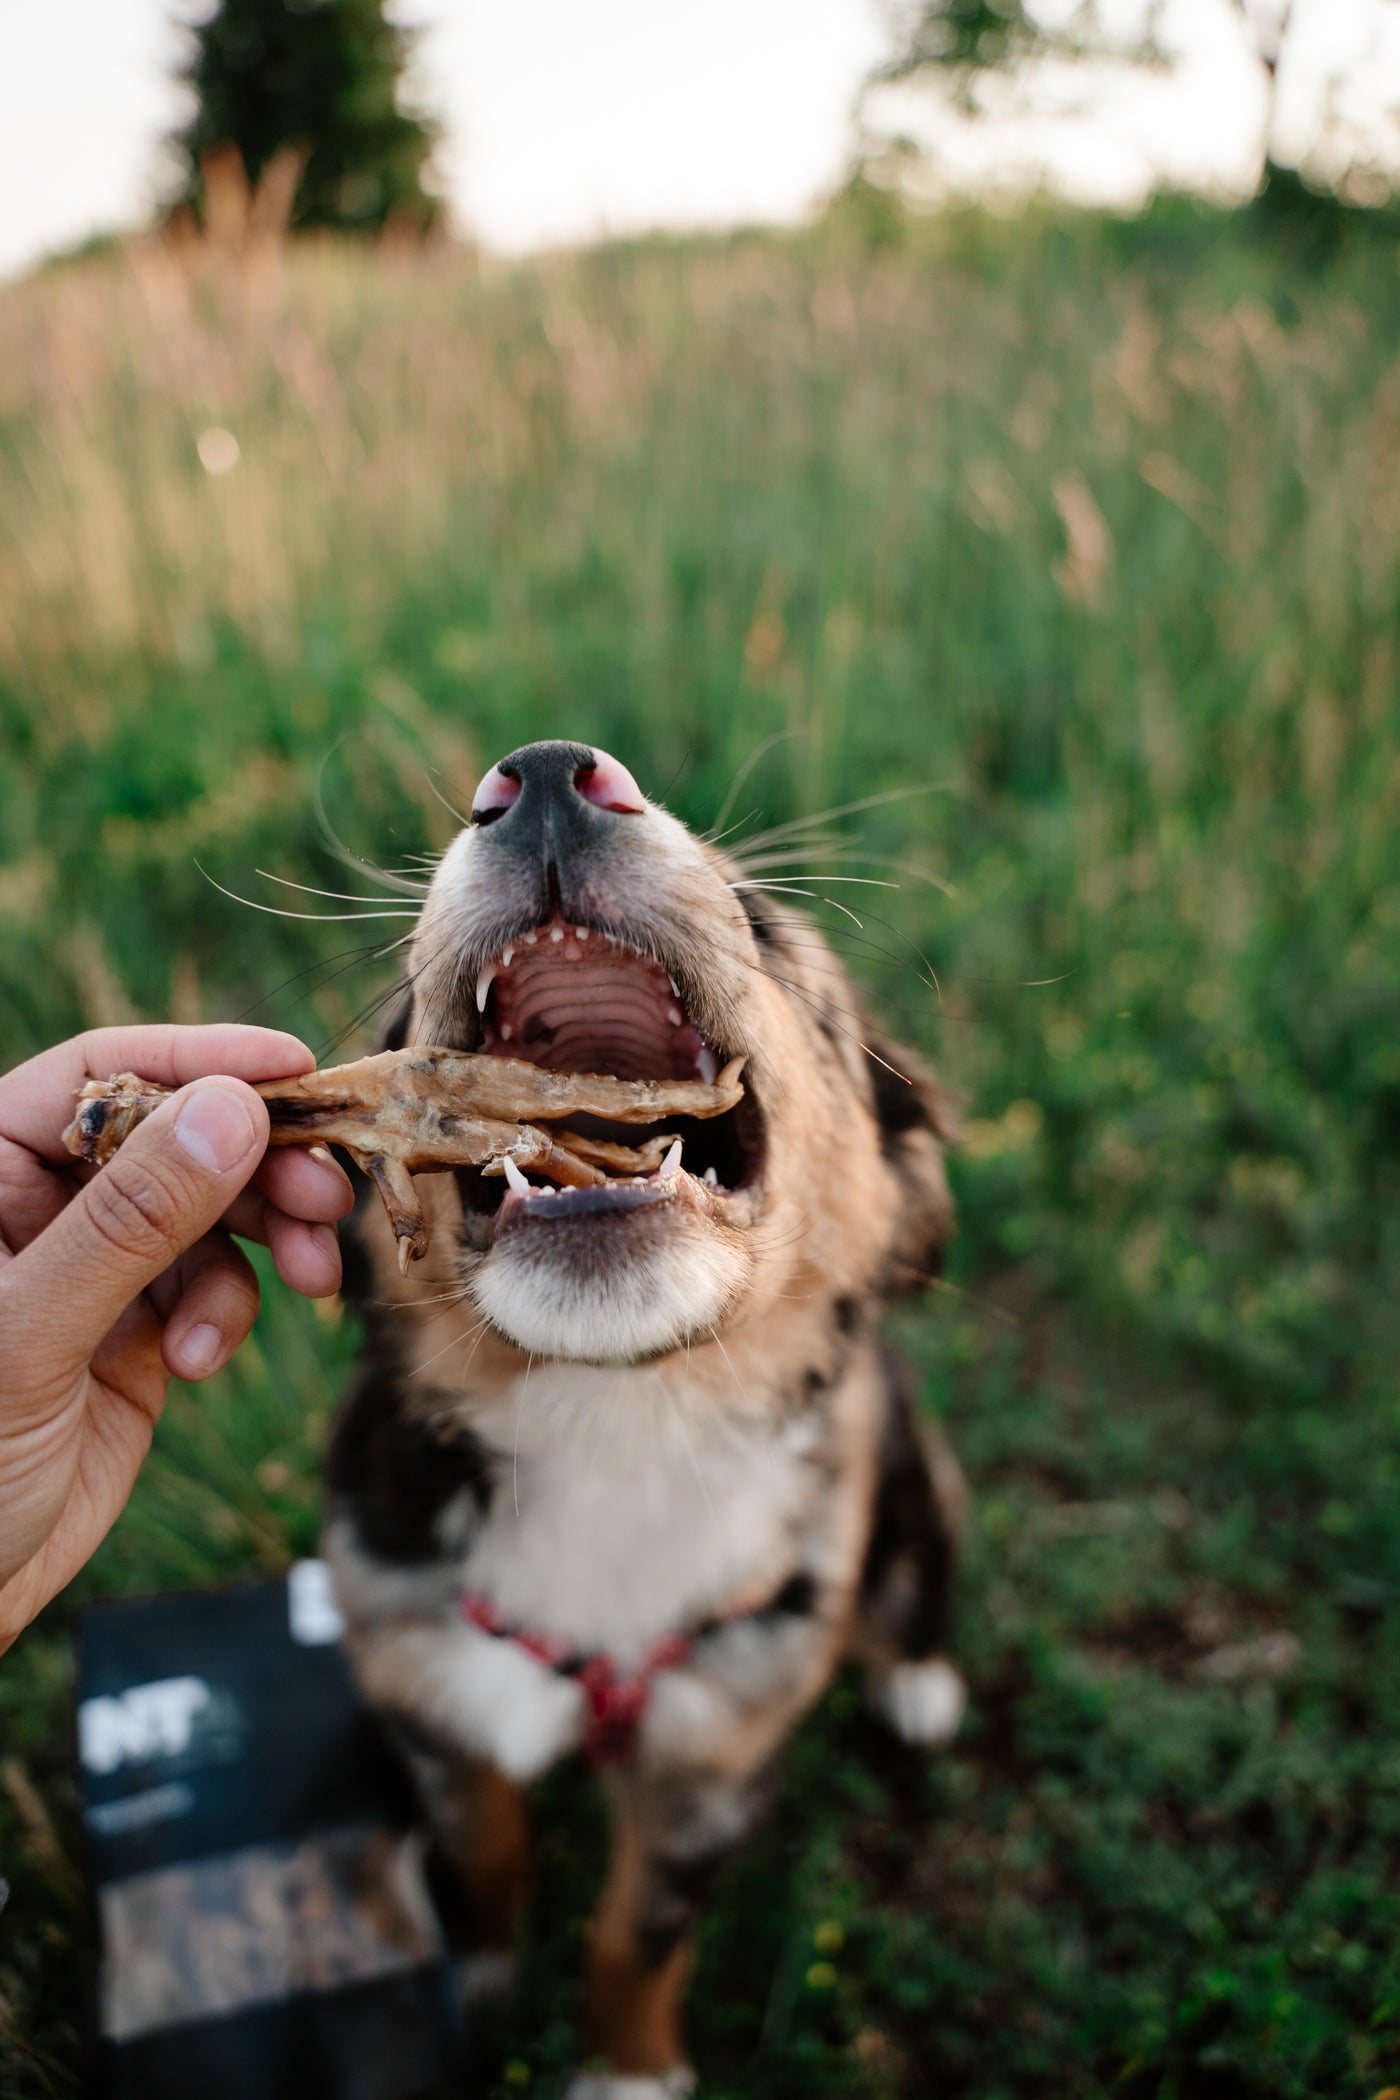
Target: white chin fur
923,1702
608,2085
640,1308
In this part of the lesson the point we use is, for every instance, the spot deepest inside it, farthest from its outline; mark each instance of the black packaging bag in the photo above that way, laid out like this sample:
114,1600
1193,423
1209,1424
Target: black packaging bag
266,1930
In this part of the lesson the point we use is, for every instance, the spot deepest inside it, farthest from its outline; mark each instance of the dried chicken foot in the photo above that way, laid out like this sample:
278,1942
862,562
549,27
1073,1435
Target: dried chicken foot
419,1111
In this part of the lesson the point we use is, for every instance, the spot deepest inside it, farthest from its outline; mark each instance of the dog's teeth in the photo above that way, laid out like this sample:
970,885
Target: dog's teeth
514,1178
673,1015
583,932
483,986
506,953
671,1164
706,1063
711,1179
674,986
556,933
530,939
506,1031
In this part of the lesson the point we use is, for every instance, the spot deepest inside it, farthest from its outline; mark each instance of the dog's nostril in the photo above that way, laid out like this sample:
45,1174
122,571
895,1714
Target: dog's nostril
495,795
608,785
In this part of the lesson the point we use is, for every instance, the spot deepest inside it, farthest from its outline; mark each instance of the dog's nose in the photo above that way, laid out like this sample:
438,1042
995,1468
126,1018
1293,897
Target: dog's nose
557,772
552,799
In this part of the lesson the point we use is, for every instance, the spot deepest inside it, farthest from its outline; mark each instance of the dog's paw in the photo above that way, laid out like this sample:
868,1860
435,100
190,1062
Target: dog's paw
923,1702
481,1976
616,2085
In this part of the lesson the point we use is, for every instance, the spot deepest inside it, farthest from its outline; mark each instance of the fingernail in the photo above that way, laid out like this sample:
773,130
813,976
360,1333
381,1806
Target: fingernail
215,1128
201,1349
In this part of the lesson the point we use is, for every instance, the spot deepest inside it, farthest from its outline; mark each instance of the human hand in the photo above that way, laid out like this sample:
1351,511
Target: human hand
111,1282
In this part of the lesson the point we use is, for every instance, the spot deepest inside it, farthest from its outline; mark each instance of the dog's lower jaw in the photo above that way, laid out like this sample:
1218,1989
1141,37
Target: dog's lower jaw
675,1293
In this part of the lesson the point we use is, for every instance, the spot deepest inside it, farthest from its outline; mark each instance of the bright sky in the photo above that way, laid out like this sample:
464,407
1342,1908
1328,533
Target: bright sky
566,119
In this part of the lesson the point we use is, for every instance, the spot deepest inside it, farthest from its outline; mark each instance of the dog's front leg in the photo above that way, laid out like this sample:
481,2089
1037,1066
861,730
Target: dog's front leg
479,1866
670,1838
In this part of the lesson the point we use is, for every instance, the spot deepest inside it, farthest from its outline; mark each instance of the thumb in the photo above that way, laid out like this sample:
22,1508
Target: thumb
171,1181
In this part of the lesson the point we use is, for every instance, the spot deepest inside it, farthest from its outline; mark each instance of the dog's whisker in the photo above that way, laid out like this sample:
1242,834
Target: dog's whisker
515,1447
456,1341
337,847
435,790
713,838
397,990
870,882
678,1419
862,945
386,911
402,1305
759,752
358,954
339,896
819,1007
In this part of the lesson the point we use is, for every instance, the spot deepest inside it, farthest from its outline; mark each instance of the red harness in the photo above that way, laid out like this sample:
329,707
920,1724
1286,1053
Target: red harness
615,1700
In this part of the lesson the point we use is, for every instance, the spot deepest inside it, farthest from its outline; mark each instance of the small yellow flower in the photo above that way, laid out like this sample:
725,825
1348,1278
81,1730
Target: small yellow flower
821,1976
829,1938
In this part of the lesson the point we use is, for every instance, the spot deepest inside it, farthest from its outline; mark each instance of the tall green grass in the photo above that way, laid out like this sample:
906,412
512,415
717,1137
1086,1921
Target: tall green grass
1092,533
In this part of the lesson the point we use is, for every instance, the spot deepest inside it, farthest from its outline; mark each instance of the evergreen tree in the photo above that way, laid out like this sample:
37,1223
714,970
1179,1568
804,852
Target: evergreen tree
321,75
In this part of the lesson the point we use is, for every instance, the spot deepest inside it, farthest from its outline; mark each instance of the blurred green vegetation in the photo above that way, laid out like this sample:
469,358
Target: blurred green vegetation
1092,529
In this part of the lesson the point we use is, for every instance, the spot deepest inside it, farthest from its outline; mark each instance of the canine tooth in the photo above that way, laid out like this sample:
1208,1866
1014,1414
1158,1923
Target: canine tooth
711,1179
506,953
706,1063
673,1015
671,1164
674,986
514,1177
483,986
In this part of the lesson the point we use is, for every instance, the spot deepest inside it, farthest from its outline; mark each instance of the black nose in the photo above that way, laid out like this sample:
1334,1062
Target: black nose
551,801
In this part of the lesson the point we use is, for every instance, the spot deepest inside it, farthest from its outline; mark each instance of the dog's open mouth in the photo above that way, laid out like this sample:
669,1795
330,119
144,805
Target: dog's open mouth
572,999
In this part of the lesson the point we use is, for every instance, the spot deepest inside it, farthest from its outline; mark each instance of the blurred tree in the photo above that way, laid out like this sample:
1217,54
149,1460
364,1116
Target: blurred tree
318,79
961,46
962,38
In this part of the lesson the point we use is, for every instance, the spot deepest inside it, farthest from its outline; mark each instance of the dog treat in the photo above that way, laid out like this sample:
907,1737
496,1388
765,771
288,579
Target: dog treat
422,1111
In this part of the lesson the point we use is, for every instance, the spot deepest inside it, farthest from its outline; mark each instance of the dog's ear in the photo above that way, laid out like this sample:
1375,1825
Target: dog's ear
916,1121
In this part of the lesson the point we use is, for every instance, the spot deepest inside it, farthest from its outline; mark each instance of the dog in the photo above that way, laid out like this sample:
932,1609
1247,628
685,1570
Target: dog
627,1468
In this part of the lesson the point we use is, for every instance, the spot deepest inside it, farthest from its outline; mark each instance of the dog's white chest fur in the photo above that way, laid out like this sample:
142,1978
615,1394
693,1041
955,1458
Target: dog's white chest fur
623,1515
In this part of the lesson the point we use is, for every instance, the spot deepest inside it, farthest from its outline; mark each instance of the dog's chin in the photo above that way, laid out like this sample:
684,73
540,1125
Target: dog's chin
602,1288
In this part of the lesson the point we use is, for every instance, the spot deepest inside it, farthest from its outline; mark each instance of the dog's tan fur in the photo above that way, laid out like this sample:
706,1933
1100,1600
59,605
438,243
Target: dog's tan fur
700,1415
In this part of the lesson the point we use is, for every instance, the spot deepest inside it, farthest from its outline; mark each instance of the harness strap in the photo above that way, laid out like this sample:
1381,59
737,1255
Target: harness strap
615,1700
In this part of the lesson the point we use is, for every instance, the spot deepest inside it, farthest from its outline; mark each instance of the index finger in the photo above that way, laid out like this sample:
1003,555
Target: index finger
37,1098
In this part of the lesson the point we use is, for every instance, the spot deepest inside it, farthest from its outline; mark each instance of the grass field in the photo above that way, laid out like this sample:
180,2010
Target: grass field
1094,532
